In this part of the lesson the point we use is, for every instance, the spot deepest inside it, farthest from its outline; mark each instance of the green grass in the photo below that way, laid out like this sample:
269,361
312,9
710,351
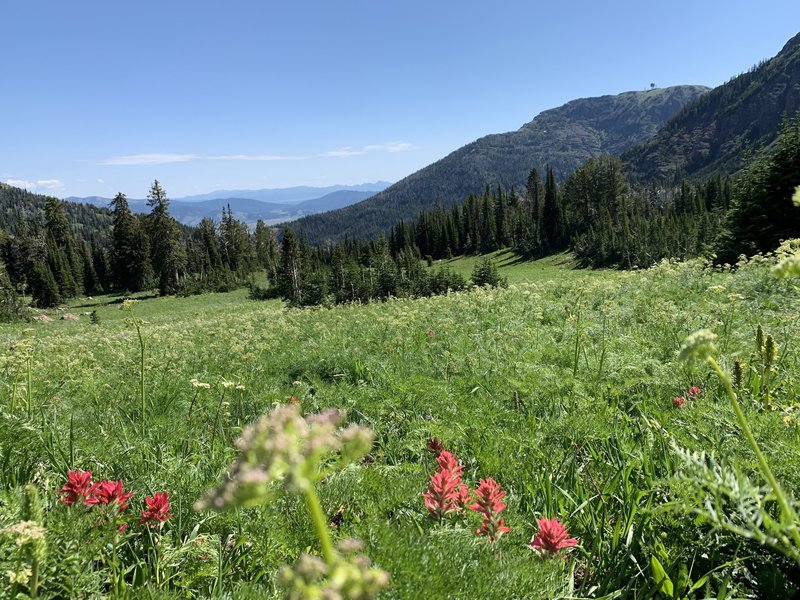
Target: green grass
559,387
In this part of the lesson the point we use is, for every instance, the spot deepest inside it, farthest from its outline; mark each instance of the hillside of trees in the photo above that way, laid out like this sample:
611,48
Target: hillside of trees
563,137
716,132
52,250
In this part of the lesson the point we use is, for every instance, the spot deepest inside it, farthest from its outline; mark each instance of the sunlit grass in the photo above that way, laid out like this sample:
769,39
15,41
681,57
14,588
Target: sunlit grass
559,387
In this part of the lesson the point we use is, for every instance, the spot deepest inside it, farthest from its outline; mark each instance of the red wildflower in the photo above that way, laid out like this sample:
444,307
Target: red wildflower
77,487
443,493
446,492
679,401
157,509
109,492
490,505
448,462
462,496
693,392
552,537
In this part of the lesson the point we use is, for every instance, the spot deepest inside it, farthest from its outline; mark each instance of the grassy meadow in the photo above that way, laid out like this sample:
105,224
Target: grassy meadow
560,387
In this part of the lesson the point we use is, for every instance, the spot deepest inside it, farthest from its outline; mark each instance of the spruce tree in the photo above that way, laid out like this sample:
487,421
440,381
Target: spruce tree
167,247
130,260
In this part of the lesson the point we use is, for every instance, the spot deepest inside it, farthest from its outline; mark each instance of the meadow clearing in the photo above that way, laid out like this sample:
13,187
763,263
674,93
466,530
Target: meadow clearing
562,388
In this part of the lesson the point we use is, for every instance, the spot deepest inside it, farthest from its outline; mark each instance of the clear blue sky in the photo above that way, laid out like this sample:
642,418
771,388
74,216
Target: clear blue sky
103,96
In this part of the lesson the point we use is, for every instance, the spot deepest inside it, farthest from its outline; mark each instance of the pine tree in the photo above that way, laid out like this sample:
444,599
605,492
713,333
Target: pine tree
291,274
762,213
130,257
63,256
167,247
552,231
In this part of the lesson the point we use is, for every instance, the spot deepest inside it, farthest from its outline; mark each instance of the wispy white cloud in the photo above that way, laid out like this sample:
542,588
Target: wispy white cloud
167,158
262,157
38,184
390,147
350,151
149,159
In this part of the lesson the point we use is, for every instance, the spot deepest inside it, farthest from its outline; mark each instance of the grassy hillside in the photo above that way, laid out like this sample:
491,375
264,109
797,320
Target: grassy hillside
563,137
560,388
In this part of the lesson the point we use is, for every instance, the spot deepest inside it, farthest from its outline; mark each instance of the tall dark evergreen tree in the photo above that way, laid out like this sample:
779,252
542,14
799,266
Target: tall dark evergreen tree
167,246
552,230
63,256
291,275
130,256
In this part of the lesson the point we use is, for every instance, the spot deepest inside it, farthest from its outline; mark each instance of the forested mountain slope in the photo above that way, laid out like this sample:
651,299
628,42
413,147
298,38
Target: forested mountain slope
87,221
563,137
715,132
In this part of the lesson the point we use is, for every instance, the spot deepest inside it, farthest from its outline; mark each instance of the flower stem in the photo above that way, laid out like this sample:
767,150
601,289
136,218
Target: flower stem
141,370
320,524
788,515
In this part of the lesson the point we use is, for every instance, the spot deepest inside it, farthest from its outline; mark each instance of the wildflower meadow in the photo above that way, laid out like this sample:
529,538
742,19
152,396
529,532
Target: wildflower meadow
577,434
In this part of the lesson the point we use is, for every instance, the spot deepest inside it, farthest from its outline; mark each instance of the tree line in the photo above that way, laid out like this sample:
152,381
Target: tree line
608,222
596,213
45,258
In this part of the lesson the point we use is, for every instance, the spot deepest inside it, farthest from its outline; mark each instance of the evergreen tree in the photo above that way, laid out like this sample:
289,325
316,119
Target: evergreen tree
63,256
129,260
762,213
552,230
267,251
12,308
167,247
291,274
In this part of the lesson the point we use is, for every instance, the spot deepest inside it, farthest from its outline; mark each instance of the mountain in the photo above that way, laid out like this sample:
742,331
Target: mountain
713,133
297,202
286,195
87,220
563,137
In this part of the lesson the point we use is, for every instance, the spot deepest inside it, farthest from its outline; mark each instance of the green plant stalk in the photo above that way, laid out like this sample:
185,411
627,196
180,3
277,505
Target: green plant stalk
788,515
34,585
141,370
28,390
320,524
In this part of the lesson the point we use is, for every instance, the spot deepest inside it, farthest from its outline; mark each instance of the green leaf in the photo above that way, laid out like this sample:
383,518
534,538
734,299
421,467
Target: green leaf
661,578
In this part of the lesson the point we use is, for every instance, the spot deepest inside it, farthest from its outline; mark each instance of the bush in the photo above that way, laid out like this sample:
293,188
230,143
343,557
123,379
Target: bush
486,273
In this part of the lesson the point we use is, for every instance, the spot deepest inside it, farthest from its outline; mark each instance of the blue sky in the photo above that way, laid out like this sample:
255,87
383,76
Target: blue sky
100,97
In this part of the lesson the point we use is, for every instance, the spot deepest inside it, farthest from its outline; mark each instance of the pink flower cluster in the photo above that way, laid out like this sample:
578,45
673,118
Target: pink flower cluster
79,488
490,505
551,538
692,393
447,493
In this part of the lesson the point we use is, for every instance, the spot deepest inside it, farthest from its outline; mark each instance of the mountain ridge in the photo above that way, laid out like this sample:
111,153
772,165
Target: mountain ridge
714,132
564,137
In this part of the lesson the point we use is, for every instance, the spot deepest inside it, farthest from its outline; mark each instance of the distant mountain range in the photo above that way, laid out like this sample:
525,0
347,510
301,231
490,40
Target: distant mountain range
270,205
563,137
713,133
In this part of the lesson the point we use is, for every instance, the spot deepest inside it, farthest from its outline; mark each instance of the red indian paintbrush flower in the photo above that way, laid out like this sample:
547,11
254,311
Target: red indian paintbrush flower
490,505
77,487
157,509
443,493
446,492
679,401
552,537
109,492
448,462
693,392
